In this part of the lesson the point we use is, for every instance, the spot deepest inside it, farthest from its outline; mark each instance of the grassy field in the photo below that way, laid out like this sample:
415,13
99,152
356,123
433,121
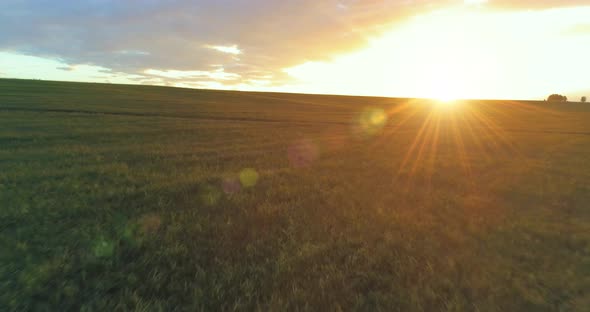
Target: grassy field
116,198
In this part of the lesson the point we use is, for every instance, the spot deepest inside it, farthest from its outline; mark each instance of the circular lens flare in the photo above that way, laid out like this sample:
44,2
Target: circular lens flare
249,177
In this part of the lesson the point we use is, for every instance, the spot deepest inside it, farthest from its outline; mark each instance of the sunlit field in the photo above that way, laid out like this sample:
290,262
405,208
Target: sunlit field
118,198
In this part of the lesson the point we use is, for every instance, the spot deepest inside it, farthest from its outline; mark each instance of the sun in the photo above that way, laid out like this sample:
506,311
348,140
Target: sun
446,99
445,103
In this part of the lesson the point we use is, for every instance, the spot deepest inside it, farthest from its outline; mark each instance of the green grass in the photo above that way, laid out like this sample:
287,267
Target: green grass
112,198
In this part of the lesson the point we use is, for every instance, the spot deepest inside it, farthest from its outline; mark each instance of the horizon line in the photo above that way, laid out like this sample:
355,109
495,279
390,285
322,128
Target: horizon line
269,92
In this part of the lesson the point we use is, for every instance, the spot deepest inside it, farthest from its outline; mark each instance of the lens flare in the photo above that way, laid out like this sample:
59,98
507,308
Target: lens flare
231,185
303,153
370,122
248,177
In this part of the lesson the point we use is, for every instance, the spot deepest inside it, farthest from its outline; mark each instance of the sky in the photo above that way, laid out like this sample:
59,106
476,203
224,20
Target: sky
447,49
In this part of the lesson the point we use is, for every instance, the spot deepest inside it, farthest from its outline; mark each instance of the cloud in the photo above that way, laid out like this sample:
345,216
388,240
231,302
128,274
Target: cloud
218,74
251,40
66,68
131,36
226,49
475,2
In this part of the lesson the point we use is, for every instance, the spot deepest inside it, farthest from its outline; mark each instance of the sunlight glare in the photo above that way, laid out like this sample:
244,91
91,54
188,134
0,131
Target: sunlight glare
466,52
446,100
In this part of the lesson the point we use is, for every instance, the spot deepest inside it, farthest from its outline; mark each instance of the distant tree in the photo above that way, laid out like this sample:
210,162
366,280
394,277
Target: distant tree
557,98
583,100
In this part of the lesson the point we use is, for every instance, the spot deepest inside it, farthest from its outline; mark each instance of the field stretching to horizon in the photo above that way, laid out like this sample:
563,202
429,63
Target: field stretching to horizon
121,197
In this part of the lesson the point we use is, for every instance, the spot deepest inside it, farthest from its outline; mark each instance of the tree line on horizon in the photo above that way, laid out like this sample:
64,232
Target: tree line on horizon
562,98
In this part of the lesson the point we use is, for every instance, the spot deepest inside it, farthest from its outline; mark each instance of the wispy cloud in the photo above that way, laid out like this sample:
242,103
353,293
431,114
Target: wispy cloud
218,74
226,49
